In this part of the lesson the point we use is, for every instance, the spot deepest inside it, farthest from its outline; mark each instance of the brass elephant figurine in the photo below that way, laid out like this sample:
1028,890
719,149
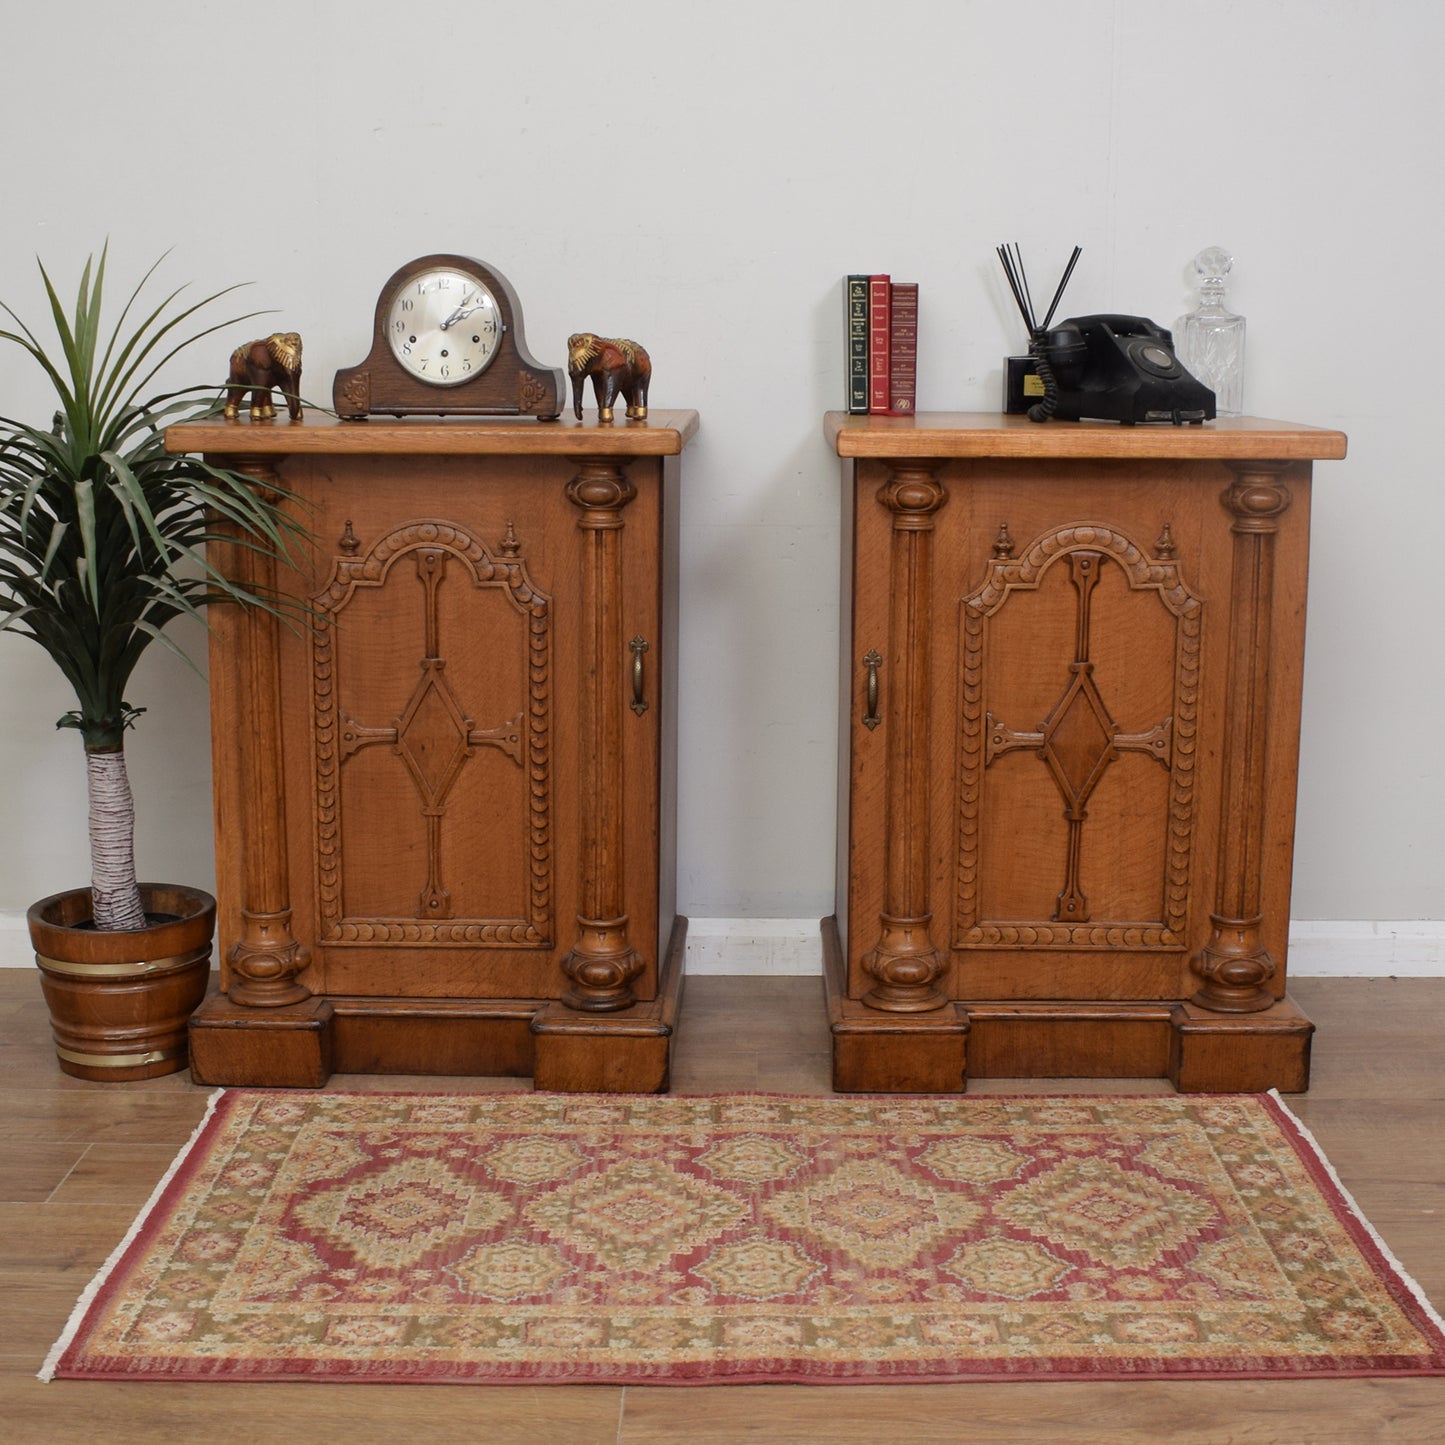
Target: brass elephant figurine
257,367
617,368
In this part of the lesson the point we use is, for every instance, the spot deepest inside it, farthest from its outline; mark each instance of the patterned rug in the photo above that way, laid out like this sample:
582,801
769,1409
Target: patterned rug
681,1240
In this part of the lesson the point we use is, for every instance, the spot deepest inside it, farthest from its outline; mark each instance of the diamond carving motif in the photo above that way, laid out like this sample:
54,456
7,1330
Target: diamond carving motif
1078,740
431,735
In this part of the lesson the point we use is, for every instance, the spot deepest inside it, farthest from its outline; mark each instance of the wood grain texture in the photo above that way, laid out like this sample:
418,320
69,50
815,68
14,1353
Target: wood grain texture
1090,663
994,434
1374,1106
662,434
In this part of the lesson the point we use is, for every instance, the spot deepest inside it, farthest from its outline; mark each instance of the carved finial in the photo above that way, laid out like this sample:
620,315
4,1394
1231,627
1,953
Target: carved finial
1164,548
1003,544
510,545
348,542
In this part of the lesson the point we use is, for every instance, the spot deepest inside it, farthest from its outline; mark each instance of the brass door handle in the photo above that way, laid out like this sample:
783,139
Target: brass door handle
872,661
639,703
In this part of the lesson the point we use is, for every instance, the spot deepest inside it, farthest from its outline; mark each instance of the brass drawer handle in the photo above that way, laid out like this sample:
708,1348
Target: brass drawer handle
639,703
872,661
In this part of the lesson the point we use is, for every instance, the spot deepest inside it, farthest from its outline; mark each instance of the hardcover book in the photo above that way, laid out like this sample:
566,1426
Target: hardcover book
855,303
903,363
879,344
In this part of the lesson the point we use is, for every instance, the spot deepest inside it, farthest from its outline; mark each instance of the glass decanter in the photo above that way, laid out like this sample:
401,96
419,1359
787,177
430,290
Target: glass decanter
1210,339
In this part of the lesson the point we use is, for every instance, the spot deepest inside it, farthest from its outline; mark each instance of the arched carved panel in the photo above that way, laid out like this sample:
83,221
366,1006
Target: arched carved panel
433,737
1077,742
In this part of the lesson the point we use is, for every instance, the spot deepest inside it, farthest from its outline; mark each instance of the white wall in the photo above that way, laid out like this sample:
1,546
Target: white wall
701,177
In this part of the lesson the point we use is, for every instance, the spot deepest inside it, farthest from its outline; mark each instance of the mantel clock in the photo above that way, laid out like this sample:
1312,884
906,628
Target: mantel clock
447,341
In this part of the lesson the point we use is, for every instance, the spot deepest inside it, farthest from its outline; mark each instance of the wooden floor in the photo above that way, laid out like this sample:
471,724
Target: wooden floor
77,1160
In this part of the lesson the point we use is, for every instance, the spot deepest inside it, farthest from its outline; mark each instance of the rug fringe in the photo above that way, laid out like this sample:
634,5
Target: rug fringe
1405,1278
46,1372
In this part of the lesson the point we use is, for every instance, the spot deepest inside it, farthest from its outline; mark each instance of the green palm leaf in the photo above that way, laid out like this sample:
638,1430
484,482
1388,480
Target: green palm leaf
103,533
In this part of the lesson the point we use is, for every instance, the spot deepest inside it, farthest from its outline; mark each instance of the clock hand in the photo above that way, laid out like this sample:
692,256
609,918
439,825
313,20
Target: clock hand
460,313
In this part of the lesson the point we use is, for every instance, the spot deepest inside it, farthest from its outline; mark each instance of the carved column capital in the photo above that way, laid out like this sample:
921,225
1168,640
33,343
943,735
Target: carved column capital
1256,498
913,494
601,490
259,469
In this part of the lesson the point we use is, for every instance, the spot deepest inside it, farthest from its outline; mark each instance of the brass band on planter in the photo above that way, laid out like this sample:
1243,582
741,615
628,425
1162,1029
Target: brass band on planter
116,1061
121,970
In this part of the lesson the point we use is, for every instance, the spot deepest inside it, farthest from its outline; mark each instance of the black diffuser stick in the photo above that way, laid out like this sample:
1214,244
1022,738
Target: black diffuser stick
1008,270
1063,281
1028,295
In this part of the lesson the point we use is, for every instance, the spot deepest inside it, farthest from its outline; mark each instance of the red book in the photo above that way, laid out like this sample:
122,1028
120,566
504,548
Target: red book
903,366
879,348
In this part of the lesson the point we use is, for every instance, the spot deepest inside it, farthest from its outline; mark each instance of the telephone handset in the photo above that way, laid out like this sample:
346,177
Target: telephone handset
1115,368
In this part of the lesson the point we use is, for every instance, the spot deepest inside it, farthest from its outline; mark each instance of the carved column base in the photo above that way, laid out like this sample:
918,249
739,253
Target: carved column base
266,961
601,967
1234,968
906,966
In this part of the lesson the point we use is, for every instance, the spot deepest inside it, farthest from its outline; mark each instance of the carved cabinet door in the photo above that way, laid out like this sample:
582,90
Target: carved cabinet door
439,713
1045,689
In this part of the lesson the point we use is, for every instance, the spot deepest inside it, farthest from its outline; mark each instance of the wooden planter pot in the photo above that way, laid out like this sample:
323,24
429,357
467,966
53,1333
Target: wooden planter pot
119,1002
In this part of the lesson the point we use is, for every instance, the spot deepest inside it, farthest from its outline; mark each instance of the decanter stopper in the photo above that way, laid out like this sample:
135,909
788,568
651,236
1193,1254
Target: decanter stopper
1210,339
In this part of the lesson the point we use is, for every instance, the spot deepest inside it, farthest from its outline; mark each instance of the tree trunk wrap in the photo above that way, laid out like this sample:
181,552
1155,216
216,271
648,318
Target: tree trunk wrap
112,842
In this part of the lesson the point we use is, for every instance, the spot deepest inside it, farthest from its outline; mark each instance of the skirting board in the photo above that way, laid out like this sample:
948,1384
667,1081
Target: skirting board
778,946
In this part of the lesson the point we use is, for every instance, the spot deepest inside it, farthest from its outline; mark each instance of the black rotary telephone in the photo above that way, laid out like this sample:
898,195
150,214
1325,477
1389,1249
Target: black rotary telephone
1115,368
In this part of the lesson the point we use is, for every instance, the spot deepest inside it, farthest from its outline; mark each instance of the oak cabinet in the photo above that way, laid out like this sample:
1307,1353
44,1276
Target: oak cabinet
1071,695
445,800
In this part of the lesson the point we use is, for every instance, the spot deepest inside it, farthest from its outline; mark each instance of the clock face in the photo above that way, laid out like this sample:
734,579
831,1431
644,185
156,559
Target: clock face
444,326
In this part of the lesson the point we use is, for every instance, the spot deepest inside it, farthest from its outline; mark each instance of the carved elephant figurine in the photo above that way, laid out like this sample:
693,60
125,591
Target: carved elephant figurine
257,367
617,368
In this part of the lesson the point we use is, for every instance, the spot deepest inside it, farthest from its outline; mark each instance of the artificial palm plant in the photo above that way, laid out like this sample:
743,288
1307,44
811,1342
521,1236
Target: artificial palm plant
102,532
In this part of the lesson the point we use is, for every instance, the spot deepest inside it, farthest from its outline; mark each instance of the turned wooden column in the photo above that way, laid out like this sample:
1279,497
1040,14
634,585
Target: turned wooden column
903,963
602,963
266,959
1234,966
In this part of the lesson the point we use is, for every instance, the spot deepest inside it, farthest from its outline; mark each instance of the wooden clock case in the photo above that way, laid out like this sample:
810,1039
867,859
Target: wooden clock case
514,383
1071,668
445,804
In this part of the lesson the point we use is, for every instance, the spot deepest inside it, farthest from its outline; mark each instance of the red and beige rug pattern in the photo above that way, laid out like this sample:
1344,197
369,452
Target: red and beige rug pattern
549,1237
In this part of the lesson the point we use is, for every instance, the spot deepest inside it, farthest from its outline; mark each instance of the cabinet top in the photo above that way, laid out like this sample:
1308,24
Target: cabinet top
945,434
663,434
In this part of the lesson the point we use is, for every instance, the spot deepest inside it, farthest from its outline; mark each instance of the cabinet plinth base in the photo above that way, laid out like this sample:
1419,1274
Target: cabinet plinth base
1197,1051
302,1045
889,1053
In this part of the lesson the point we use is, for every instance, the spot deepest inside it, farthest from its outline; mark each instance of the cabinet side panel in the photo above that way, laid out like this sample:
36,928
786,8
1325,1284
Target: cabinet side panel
847,571
642,732
867,748
667,686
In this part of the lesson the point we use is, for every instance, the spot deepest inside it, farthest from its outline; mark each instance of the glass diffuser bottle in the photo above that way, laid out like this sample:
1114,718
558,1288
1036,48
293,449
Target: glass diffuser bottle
1210,339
